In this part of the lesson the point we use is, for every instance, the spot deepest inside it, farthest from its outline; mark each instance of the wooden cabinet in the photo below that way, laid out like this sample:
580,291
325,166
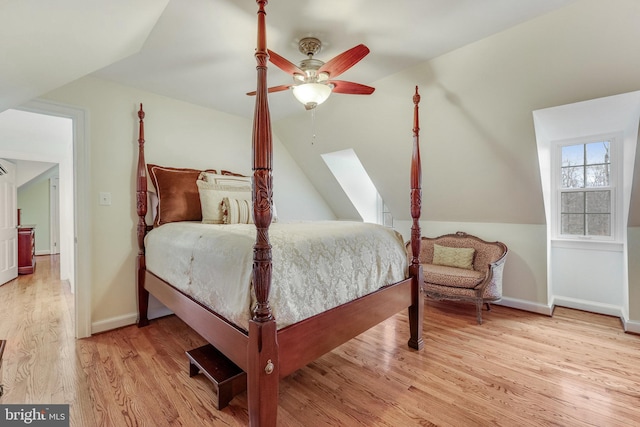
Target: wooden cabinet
26,249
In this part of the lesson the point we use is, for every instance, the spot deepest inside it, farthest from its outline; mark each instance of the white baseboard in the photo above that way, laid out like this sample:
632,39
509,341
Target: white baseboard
43,252
520,304
156,310
631,326
584,305
113,323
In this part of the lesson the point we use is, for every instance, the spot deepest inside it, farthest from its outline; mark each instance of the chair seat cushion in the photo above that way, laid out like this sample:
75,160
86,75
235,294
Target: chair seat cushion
452,276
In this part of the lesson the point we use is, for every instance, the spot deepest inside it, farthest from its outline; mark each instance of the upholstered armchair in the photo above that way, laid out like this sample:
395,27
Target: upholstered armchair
462,267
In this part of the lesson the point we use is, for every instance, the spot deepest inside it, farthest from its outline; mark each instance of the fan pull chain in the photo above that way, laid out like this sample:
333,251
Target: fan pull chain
313,126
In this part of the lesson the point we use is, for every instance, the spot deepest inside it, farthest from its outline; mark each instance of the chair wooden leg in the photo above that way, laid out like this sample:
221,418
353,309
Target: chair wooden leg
488,306
479,311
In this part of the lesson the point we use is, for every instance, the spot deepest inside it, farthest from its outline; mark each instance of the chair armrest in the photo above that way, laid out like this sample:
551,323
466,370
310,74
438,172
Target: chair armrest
494,273
491,287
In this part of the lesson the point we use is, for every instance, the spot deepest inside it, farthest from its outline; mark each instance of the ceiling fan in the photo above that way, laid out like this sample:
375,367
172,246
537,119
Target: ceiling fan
313,79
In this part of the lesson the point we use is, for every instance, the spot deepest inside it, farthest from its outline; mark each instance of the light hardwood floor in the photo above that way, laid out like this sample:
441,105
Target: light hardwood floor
517,369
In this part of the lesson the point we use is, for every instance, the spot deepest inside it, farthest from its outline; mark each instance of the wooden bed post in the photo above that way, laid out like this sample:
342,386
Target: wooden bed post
263,363
141,207
415,269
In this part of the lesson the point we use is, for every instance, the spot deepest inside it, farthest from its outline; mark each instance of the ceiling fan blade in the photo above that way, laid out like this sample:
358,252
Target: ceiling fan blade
272,89
344,61
340,86
284,64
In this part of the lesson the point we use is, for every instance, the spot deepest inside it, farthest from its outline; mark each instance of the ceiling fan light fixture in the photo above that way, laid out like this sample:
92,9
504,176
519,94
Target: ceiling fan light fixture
311,94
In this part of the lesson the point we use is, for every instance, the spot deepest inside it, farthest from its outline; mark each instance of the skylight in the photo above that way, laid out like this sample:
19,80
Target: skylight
357,185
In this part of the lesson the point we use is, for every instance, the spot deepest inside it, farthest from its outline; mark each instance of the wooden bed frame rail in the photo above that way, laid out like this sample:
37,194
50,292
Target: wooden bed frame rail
265,353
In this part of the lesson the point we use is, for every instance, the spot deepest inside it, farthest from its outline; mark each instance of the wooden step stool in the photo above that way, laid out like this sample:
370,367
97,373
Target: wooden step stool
227,378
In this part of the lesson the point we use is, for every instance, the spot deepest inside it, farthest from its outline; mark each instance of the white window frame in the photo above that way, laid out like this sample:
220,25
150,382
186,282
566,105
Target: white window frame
615,177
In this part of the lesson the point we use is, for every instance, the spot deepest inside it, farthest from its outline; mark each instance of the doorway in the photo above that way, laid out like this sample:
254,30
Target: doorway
74,247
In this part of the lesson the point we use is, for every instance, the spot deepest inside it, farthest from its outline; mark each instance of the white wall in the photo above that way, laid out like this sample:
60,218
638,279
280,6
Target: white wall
589,278
478,146
33,201
177,134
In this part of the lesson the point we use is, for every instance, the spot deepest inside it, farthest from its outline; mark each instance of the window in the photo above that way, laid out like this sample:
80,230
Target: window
586,189
357,185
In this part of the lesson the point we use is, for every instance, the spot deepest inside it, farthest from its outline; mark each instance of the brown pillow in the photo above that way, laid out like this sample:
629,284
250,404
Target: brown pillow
178,198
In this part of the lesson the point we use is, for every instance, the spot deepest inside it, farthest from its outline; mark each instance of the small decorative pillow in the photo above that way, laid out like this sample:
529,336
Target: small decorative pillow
236,180
236,211
212,195
453,257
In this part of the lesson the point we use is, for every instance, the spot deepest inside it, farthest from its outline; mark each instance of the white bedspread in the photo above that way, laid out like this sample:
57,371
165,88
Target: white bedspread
316,265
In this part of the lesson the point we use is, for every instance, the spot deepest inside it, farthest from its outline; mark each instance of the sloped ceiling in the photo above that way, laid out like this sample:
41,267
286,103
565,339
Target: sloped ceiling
478,144
201,51
28,172
482,66
46,44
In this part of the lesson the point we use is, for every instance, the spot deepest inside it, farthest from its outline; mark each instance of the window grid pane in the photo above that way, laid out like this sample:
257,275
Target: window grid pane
597,175
572,224
585,213
598,202
597,153
586,165
573,177
573,202
598,224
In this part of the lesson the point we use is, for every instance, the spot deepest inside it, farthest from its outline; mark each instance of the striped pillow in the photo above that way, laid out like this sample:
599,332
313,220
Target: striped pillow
212,195
235,211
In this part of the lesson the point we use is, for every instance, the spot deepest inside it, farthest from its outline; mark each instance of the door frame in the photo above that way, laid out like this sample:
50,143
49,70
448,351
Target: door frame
81,205
54,215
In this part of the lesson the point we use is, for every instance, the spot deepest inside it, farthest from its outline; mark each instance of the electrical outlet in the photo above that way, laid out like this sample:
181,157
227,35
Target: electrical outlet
105,199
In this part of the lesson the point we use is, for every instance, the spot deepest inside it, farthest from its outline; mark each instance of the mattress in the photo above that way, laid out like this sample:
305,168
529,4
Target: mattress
316,265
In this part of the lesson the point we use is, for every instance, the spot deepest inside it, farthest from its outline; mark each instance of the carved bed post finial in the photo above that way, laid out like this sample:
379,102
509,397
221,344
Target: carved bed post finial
415,269
141,209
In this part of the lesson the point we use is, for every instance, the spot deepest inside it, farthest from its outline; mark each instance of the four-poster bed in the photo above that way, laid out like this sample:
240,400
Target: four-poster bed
263,349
